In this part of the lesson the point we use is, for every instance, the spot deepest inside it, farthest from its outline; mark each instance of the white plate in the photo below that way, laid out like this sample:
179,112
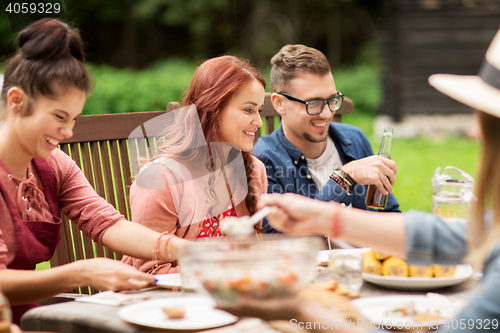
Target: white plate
323,257
462,273
170,281
200,313
379,309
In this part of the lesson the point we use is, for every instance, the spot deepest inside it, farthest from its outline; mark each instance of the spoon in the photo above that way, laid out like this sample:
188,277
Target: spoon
243,225
259,215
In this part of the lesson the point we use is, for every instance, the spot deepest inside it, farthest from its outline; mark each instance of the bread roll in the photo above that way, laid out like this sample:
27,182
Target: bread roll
174,312
444,271
421,271
380,255
370,264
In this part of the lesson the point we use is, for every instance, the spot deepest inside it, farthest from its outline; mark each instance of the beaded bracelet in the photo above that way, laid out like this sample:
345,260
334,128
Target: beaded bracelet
335,176
344,180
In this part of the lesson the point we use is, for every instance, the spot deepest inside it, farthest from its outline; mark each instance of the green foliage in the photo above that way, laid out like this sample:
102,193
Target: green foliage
7,38
127,90
180,11
362,84
362,81
361,120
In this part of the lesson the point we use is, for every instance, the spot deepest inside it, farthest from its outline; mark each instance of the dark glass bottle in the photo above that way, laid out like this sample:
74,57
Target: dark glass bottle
374,198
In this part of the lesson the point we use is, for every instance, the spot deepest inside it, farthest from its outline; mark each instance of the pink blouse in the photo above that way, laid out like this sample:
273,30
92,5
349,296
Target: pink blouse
156,208
77,199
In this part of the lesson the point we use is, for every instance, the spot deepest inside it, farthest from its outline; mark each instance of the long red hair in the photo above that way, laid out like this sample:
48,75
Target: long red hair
213,85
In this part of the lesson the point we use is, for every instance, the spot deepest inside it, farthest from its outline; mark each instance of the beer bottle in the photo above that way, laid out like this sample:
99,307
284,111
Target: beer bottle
374,198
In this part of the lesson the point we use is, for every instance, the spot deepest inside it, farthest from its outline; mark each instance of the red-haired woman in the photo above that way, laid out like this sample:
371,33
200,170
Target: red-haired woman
216,127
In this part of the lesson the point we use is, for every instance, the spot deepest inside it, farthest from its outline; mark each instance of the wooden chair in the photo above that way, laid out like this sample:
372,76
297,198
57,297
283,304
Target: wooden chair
100,148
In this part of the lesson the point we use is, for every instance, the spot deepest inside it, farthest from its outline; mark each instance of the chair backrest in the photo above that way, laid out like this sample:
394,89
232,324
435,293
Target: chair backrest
100,148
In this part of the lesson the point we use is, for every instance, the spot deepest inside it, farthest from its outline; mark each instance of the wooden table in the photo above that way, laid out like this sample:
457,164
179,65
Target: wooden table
79,317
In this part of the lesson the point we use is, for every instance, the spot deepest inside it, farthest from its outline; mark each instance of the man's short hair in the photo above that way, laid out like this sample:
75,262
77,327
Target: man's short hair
293,60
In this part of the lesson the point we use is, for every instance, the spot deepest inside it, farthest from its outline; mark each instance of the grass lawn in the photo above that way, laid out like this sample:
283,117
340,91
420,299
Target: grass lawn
417,159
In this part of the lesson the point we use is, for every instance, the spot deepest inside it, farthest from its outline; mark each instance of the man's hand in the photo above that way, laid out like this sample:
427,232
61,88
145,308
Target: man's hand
373,170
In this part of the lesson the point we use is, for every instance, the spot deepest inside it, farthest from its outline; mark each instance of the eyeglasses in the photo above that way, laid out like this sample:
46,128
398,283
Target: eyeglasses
315,106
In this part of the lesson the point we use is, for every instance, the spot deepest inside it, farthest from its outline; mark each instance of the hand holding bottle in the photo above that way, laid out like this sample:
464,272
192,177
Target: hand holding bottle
373,170
376,197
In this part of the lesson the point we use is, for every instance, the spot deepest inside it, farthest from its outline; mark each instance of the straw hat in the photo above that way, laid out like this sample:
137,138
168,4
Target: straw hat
482,91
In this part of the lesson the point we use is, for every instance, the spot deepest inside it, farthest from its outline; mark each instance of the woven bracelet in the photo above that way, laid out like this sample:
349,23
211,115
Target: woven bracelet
344,180
349,178
338,180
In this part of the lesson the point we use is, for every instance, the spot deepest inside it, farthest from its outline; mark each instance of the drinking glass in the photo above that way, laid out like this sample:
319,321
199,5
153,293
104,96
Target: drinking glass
347,267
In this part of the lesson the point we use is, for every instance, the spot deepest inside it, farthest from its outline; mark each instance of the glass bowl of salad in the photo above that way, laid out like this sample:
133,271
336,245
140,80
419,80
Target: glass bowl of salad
262,267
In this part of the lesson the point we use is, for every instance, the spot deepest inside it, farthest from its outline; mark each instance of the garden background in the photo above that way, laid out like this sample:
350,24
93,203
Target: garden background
143,53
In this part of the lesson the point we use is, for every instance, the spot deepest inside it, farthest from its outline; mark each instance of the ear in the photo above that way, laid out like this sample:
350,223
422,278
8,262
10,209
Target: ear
277,101
16,99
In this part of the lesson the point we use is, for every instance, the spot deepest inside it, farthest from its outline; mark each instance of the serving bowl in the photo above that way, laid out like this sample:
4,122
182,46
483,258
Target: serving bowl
263,267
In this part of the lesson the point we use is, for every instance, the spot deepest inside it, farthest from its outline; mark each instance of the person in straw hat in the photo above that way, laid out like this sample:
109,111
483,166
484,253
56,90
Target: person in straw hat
421,238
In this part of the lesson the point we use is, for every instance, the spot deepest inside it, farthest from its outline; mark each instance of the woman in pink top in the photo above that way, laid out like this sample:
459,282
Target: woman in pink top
204,171
44,90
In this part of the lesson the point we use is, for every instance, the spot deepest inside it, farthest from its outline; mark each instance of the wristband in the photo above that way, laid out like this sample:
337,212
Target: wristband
344,180
336,230
156,248
349,178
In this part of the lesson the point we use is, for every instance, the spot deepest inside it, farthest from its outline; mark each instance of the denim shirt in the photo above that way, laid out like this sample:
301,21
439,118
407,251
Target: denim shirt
430,240
287,170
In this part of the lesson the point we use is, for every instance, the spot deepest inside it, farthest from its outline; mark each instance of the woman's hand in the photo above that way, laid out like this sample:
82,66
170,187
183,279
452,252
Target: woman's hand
297,215
109,274
300,216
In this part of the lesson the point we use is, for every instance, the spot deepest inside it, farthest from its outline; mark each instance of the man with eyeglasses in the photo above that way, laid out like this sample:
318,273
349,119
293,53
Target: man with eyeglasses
308,154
